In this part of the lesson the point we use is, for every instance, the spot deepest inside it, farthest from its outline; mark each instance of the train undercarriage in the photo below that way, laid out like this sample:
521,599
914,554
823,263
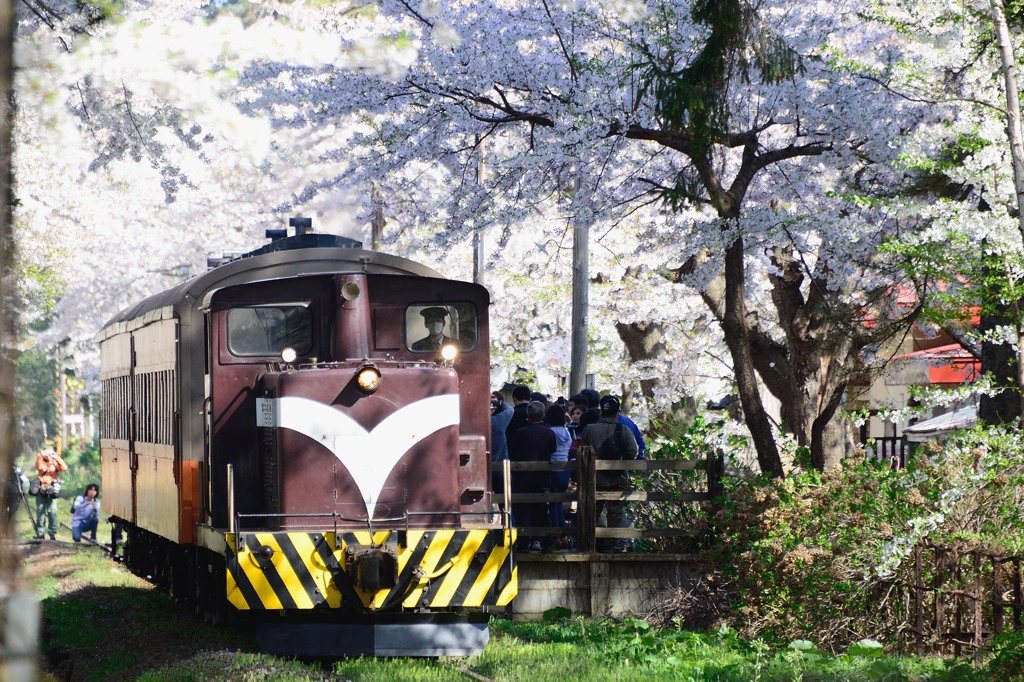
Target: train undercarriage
339,593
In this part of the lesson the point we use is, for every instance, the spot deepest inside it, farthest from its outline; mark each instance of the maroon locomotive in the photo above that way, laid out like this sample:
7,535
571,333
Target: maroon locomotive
299,439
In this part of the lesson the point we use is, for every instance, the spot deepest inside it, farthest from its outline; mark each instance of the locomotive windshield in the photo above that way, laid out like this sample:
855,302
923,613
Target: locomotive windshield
428,326
266,329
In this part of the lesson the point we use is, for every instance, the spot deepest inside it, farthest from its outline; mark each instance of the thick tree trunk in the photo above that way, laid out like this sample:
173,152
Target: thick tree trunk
643,341
807,374
818,375
999,360
737,338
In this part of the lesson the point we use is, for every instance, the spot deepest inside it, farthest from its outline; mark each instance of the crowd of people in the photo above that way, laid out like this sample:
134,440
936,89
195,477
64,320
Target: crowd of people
536,429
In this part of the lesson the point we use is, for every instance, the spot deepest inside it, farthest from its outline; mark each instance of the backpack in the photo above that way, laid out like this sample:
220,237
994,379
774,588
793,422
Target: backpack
613,448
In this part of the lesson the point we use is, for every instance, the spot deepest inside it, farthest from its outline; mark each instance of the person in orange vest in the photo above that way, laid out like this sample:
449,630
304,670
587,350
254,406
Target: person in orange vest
49,464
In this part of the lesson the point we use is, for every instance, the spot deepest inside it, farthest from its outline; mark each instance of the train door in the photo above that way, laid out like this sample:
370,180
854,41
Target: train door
263,319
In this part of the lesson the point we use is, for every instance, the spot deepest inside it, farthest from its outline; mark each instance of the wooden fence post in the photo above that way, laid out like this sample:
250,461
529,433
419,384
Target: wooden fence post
937,583
714,467
586,515
1016,593
979,597
997,598
918,601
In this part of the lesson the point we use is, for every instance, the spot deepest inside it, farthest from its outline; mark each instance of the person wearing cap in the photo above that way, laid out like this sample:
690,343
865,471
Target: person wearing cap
434,319
592,398
607,428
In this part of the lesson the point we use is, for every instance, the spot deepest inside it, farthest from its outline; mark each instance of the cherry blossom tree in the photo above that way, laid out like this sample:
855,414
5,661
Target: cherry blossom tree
716,151
134,158
961,57
754,150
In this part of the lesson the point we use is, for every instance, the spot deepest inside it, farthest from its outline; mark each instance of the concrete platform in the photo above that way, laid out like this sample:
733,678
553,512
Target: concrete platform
615,585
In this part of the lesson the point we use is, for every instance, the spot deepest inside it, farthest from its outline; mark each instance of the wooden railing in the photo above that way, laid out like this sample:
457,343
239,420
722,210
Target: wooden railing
955,600
586,496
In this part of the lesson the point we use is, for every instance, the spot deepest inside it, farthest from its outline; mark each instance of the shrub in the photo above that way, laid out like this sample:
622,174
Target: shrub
817,556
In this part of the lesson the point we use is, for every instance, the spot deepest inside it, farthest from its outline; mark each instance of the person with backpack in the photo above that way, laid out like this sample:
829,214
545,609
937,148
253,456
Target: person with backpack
611,441
49,464
85,513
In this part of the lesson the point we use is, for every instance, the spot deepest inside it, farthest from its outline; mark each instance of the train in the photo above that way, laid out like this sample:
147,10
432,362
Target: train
288,445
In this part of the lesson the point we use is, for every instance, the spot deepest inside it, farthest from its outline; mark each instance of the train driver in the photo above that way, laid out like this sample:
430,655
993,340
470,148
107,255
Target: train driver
434,320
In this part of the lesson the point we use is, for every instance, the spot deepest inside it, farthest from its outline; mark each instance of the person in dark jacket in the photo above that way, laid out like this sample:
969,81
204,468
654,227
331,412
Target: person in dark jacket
434,320
535,442
17,486
520,399
596,435
501,415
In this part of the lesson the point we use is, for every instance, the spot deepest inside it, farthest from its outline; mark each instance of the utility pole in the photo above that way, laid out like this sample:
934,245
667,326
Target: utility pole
478,233
379,221
580,290
63,404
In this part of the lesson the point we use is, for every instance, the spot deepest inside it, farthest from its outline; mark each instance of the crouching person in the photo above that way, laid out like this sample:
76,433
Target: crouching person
85,513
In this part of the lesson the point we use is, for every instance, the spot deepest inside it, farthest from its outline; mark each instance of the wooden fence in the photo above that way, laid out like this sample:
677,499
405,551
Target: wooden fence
586,496
956,600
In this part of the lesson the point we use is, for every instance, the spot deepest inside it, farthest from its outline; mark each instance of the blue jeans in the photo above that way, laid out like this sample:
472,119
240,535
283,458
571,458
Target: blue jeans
78,528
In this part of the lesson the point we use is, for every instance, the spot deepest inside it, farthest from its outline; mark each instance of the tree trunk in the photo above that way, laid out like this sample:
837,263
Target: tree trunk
1013,129
643,341
999,360
18,607
737,338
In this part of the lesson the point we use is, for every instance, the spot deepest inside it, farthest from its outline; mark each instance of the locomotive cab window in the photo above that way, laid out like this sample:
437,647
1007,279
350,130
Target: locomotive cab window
429,326
261,330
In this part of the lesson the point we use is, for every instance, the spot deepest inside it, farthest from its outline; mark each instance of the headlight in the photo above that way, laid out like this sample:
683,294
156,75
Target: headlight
288,355
449,352
368,379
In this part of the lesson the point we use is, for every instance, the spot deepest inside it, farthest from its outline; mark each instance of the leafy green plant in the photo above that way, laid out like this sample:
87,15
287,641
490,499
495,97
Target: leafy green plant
702,438
818,555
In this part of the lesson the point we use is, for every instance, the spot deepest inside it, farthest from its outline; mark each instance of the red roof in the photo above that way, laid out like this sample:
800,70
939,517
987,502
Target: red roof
949,364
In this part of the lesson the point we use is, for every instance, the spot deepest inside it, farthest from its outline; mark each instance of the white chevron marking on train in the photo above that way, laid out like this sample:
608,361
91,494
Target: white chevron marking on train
371,455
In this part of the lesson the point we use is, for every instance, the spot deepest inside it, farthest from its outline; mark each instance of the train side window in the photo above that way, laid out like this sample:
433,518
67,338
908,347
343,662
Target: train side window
429,324
262,330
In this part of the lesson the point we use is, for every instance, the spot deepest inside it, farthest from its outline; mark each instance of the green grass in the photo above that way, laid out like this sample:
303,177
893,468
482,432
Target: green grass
97,611
597,650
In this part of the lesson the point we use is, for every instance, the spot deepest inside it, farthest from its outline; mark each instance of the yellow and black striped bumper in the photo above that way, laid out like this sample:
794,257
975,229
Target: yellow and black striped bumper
442,569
